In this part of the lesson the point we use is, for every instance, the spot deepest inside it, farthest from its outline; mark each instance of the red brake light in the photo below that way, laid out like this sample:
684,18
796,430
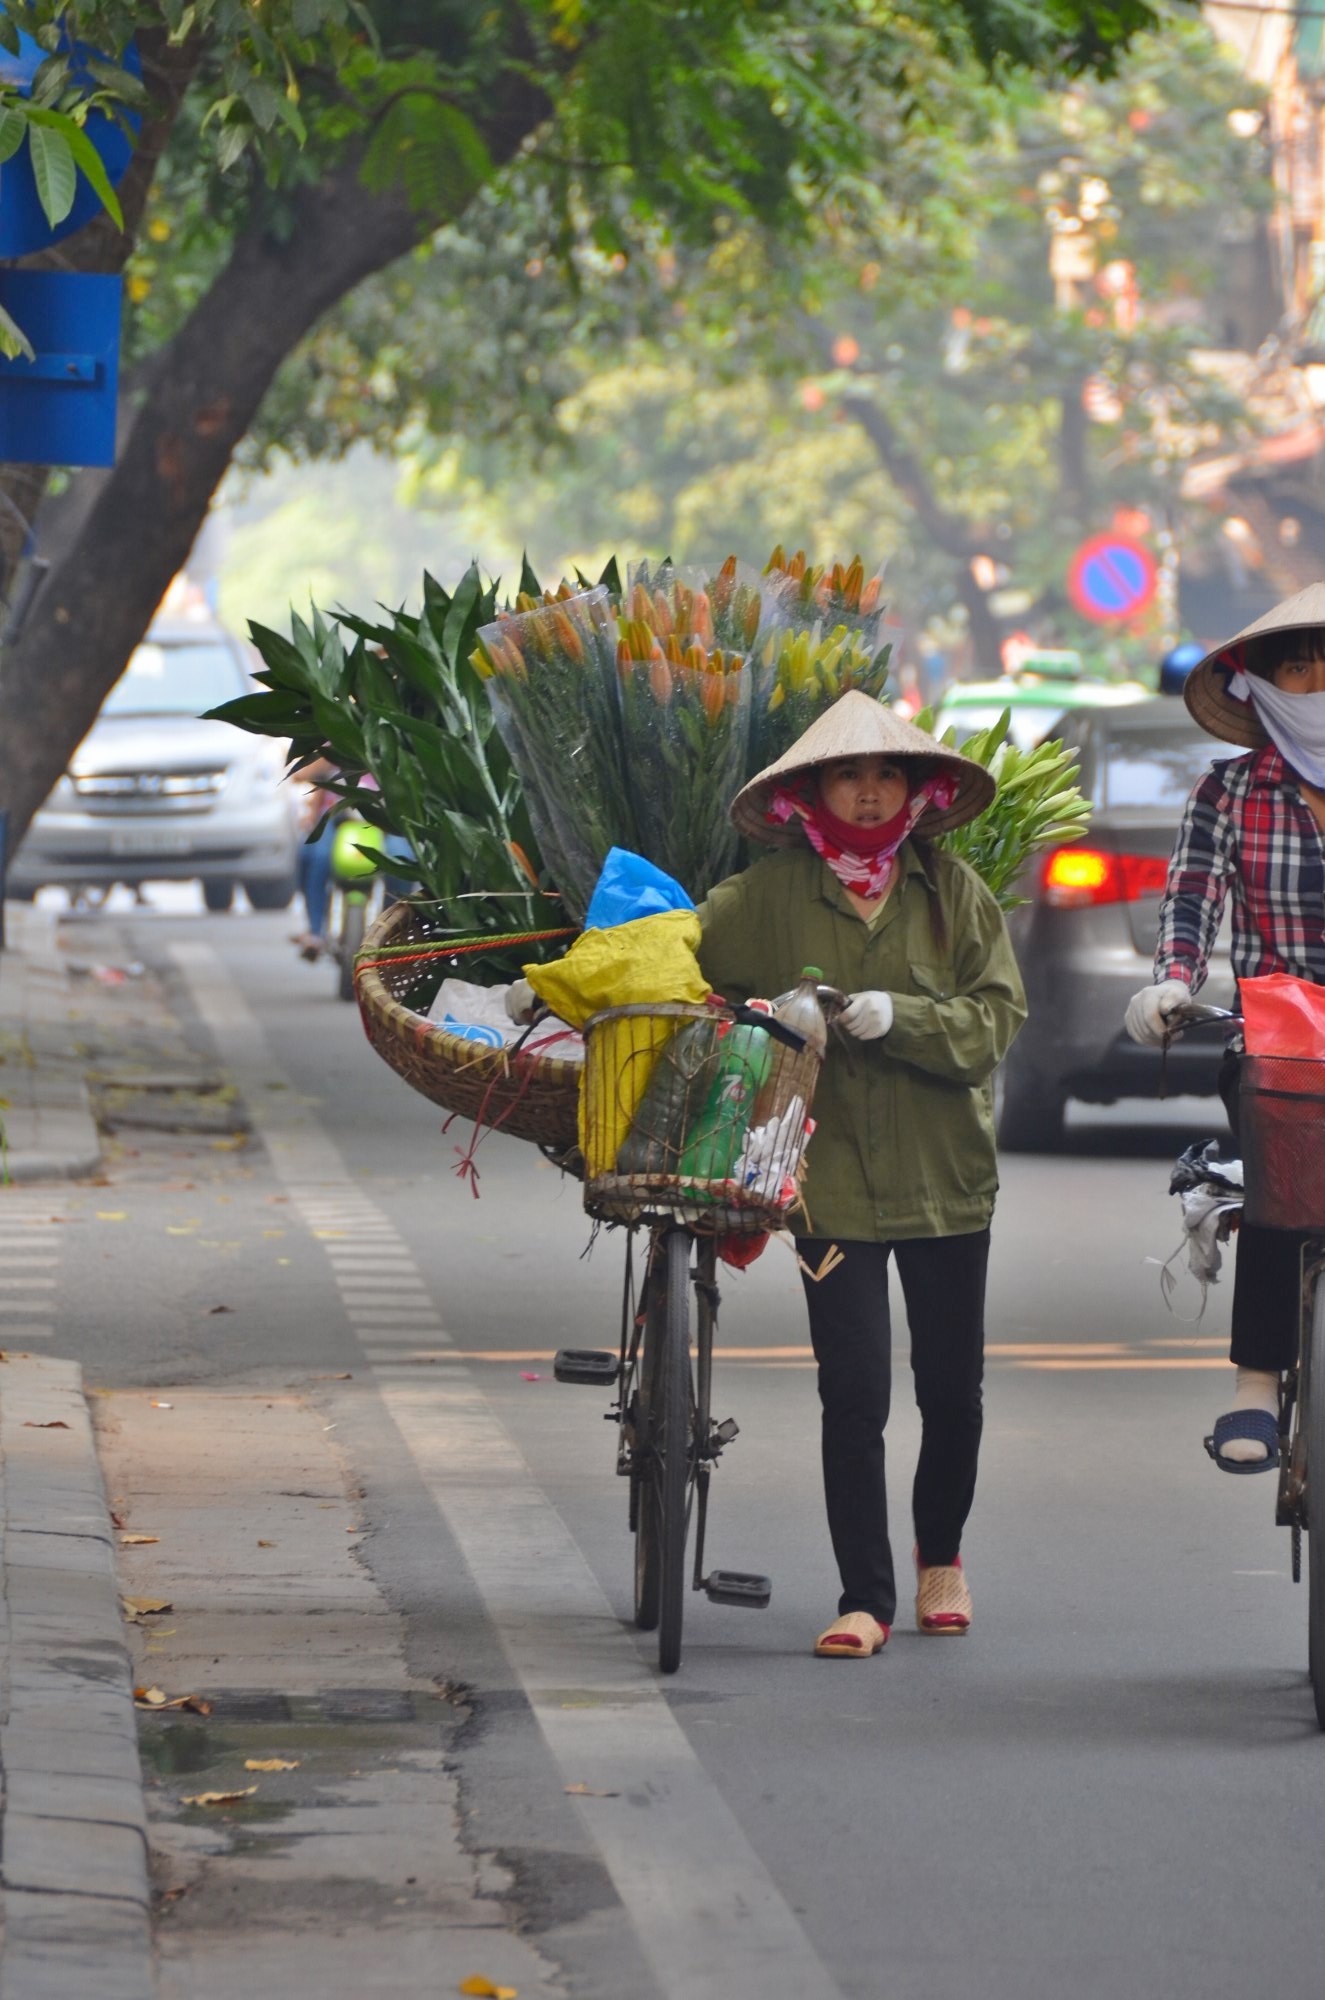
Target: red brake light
1073,877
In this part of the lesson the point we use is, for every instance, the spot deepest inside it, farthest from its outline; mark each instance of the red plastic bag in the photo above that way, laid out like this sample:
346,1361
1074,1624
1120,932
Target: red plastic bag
1283,1016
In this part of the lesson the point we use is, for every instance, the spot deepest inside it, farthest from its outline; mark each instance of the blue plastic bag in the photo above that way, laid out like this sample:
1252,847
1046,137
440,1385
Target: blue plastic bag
630,887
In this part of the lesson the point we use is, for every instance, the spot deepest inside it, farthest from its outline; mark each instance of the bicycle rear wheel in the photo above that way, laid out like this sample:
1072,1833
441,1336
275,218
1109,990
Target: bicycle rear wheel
1311,1416
670,1458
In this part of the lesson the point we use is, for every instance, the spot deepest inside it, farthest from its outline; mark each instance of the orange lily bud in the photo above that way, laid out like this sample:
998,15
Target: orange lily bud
672,650
869,596
713,696
571,642
660,681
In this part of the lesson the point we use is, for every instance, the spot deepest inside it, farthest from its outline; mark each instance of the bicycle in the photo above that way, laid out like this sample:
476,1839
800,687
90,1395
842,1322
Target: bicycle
1277,1116
668,1444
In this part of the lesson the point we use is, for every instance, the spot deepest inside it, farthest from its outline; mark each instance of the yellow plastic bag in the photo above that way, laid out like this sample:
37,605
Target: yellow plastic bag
650,960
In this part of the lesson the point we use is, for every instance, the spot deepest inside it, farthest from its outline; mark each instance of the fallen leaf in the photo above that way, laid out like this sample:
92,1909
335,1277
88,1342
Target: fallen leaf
116,1521
193,1702
137,1541
583,1792
212,1310
112,1215
230,1145
174,1229
145,1607
487,1989
53,1424
266,1545
346,1377
218,1798
270,1764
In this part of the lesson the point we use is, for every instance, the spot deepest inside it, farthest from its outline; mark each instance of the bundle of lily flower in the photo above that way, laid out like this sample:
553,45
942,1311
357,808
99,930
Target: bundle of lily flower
633,716
551,674
685,708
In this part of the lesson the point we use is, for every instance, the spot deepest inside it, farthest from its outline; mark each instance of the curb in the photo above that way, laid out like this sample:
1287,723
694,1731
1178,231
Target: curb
73,1839
47,1118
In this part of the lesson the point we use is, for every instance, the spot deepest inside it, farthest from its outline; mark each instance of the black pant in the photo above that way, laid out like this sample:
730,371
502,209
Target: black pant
1267,1276
943,1282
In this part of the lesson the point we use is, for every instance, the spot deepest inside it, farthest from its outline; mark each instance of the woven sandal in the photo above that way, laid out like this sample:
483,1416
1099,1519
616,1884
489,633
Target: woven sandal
943,1601
854,1636
1256,1425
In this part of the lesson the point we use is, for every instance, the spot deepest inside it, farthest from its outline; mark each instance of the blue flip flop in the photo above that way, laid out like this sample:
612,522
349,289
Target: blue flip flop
1259,1426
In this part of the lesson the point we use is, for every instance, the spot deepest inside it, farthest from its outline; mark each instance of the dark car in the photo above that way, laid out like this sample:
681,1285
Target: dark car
1085,939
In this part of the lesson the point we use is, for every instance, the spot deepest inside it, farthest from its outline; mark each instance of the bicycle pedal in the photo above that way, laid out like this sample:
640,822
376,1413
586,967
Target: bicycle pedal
735,1586
585,1364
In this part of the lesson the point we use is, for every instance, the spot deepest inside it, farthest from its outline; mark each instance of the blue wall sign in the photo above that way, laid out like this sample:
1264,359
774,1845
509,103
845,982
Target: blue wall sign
60,408
23,224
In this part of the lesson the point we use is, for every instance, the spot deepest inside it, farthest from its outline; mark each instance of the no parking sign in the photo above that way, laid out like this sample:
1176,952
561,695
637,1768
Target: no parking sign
1111,577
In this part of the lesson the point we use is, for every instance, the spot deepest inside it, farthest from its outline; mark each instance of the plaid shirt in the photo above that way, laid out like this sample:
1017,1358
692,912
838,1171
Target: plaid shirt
1247,829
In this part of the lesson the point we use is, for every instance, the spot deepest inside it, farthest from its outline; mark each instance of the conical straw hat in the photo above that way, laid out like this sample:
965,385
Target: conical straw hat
1205,690
858,726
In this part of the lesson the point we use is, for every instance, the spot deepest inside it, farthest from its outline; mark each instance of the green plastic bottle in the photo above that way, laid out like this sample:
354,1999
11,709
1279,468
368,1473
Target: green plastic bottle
740,1064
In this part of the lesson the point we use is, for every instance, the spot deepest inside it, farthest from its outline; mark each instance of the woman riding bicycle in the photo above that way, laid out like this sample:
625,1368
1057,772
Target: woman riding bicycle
902,1161
1253,831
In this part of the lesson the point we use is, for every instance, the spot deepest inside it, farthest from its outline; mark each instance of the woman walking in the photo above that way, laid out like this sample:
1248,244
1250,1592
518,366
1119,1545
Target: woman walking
902,1161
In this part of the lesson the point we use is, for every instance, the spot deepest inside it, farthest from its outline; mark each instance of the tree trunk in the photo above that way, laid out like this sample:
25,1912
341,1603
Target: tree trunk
945,530
205,391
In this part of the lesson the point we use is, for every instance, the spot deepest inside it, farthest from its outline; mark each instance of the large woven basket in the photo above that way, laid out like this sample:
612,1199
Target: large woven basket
533,1097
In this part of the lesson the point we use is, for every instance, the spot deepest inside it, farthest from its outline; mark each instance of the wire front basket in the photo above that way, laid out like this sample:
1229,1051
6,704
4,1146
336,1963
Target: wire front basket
695,1114
1282,1123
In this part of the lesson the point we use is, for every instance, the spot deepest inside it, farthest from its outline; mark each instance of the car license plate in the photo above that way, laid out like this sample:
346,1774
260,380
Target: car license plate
149,840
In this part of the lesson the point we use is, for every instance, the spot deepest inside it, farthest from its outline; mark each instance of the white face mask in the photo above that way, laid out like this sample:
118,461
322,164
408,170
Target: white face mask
1294,723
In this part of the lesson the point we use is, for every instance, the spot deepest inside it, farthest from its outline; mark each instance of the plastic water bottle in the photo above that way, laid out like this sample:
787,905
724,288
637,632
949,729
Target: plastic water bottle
801,1010
787,1077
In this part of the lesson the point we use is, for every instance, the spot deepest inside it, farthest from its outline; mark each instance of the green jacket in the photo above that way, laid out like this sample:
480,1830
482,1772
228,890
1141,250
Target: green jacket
904,1144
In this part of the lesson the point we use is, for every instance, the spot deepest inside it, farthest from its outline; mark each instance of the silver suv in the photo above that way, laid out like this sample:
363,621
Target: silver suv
155,794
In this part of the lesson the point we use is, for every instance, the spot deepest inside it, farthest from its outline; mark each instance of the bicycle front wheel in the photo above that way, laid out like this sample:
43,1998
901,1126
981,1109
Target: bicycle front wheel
1311,1416
670,1459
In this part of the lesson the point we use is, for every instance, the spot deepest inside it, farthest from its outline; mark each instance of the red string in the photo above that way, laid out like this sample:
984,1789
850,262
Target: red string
461,950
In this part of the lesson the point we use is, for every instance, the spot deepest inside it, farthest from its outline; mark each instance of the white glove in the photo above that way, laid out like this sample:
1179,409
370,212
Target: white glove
867,1015
1147,1014
521,1001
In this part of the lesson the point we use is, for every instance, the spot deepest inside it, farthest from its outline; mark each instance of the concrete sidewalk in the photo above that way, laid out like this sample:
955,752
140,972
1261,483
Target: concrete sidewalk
73,1841
49,1129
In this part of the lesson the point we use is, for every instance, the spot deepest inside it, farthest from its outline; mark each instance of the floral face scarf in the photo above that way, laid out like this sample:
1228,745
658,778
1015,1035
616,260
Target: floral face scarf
863,858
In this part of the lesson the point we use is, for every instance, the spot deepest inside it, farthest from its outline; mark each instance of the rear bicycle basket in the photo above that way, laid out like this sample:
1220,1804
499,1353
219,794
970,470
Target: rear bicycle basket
694,1115
1282,1116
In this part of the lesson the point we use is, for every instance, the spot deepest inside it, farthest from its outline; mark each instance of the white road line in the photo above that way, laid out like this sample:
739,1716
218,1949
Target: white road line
708,1915
19,1334
27,1280
24,1305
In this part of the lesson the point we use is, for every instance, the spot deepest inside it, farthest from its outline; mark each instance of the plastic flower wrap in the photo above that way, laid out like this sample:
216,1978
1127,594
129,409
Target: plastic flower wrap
800,673
830,594
728,608
685,710
551,678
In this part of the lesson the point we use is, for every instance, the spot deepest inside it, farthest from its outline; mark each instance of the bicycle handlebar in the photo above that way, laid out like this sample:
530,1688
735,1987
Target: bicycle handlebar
1200,1014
